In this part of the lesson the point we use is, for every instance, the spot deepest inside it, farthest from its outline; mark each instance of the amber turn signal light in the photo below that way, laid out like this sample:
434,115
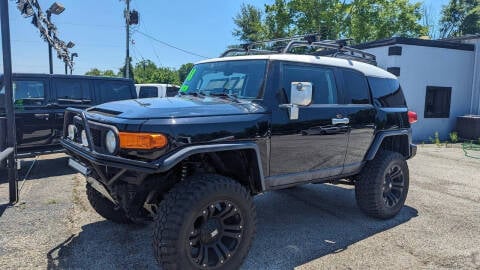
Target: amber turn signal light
143,141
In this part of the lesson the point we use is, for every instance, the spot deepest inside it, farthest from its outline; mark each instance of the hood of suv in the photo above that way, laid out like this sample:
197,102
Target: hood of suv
176,107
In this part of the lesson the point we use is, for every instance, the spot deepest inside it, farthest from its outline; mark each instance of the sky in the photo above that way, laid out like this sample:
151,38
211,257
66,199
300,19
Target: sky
97,28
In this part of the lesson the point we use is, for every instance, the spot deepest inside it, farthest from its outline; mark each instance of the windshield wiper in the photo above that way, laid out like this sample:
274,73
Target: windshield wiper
195,94
231,97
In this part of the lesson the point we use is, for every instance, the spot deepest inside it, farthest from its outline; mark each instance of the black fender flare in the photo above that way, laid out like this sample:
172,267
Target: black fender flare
381,135
168,162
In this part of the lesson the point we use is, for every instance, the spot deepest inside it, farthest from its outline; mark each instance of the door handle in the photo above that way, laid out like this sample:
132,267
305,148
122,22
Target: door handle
42,116
336,121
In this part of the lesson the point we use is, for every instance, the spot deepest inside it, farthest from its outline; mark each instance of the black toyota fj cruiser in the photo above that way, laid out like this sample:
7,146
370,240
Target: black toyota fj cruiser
240,126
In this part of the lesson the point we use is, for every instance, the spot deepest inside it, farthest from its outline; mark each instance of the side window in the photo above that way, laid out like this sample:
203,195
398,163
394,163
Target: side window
172,91
113,90
322,79
28,92
386,92
437,102
72,91
355,88
148,92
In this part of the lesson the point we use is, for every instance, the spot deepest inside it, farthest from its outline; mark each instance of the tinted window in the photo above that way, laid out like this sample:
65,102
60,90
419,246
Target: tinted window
172,91
243,79
111,91
28,92
386,92
148,92
437,102
322,79
72,91
355,88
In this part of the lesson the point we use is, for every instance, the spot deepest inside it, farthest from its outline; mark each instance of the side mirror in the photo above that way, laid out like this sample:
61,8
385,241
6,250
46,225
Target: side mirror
300,95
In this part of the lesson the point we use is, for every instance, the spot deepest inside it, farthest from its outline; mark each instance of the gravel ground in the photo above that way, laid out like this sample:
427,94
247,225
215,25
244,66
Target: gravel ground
308,227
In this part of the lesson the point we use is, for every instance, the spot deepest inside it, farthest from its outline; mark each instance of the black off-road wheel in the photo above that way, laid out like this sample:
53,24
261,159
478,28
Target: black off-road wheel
106,208
205,222
382,186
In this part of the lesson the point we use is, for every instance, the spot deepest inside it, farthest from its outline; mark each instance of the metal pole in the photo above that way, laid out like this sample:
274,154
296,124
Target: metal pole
50,61
9,110
127,58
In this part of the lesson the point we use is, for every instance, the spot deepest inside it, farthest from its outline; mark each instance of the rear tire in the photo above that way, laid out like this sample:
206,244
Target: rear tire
207,221
382,187
106,208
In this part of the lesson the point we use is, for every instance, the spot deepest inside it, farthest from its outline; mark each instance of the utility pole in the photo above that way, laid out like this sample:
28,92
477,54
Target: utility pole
127,23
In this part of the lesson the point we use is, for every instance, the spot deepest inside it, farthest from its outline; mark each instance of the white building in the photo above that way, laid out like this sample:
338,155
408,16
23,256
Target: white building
440,79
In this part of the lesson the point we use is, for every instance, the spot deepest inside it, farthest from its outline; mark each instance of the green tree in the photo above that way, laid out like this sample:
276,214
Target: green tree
248,24
325,17
460,17
97,72
144,71
122,70
362,20
278,20
184,70
94,72
377,19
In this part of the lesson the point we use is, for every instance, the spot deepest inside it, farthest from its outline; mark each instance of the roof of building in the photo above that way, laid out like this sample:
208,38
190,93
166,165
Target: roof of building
462,38
367,69
417,42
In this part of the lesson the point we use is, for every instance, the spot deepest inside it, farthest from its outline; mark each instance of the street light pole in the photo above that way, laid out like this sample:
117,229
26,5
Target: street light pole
56,8
71,58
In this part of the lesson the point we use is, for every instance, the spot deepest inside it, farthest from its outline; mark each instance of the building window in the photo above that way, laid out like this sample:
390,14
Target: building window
395,50
437,102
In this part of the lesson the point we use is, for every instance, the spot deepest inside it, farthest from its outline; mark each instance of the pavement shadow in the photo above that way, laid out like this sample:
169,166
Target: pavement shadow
294,226
42,168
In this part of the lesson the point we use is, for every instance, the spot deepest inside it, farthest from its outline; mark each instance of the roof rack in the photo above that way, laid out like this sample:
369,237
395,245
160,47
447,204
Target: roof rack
332,48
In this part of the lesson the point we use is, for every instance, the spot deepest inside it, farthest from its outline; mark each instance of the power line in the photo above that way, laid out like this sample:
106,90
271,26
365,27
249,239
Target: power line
170,45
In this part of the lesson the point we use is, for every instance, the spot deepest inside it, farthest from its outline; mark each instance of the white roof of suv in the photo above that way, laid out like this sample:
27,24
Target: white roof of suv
367,69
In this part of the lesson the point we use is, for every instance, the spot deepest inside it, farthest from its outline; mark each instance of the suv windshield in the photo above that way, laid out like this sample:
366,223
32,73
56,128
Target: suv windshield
241,79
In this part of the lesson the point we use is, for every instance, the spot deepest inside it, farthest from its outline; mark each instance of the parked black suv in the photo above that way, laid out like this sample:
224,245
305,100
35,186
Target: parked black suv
41,100
242,126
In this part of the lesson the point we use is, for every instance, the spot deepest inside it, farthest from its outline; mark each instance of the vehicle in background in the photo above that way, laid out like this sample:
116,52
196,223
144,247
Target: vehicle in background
40,101
161,90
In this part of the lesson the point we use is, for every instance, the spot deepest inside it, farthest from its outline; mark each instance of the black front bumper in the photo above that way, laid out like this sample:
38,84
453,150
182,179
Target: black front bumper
111,161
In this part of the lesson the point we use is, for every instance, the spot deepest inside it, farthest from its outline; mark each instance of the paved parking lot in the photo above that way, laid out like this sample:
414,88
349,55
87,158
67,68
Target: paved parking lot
308,227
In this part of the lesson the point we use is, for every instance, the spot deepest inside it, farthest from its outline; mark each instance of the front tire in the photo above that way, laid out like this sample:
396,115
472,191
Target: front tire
205,222
106,208
382,186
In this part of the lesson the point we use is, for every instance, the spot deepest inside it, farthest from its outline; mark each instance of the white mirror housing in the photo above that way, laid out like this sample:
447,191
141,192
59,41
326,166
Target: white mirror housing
301,93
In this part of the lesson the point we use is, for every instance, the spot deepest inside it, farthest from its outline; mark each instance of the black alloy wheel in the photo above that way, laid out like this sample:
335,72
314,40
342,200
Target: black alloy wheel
393,186
216,234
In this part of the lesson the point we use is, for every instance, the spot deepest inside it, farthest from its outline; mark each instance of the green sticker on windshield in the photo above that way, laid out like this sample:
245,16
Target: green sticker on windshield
184,88
190,75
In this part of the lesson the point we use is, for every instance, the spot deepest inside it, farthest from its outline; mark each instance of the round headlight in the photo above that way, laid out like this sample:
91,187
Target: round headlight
84,138
72,132
111,142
